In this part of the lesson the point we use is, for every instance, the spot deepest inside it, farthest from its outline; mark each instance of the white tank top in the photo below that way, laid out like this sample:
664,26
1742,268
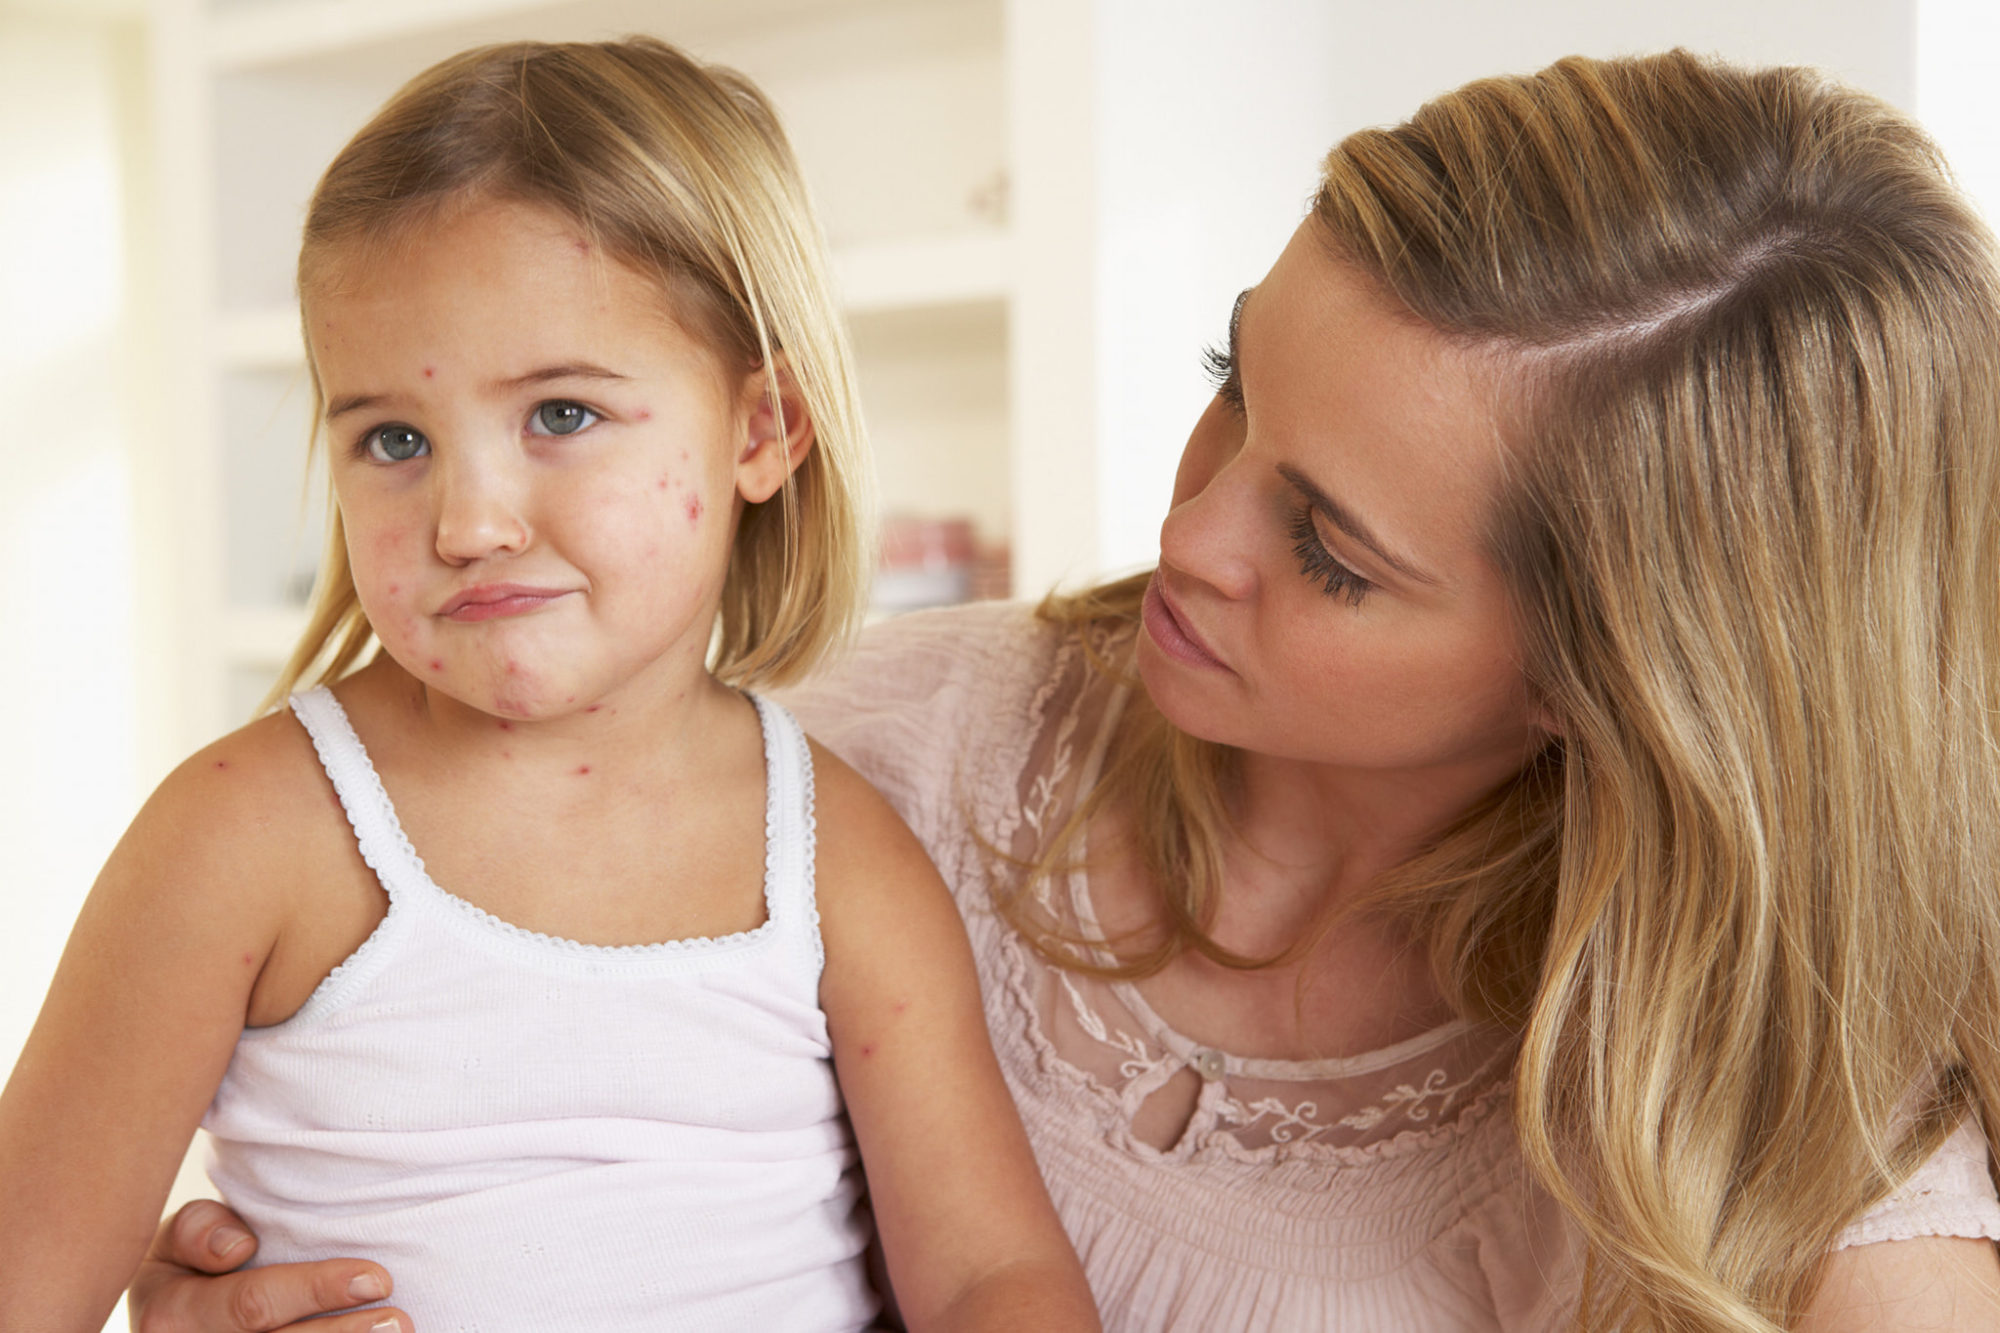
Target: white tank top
530,1132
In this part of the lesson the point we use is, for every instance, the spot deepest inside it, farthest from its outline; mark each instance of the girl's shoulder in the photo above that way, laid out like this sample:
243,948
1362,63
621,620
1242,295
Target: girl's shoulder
247,797
249,827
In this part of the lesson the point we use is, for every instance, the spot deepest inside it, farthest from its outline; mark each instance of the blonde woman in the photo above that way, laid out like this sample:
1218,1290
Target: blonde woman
1527,857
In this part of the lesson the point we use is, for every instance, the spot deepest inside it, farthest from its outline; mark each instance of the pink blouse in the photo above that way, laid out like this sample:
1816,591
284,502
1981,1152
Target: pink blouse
1380,1191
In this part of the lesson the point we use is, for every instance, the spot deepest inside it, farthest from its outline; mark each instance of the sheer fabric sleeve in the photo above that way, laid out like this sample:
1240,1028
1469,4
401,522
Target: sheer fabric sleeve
919,699
1952,1194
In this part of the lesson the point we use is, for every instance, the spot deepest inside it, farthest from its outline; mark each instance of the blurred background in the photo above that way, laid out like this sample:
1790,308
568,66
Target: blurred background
1040,211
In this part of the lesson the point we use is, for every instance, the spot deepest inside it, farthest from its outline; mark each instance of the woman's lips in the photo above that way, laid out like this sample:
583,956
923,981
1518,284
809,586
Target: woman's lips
494,600
1171,633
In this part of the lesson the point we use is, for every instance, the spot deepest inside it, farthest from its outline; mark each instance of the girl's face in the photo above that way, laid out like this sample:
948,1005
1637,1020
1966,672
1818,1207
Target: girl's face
1323,594
538,471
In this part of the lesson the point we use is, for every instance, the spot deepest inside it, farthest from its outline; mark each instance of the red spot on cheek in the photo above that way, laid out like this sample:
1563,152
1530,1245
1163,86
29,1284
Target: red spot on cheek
395,588
867,1049
436,665
430,372
645,414
506,725
222,763
693,510
583,770
506,754
249,960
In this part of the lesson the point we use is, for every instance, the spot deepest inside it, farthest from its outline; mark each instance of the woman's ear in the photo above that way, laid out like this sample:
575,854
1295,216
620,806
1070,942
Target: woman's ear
773,444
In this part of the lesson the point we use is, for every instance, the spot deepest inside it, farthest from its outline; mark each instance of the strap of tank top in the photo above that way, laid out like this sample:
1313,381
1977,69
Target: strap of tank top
789,825
356,783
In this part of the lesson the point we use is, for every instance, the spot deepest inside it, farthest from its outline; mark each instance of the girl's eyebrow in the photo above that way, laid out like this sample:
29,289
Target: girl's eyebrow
568,370
1350,523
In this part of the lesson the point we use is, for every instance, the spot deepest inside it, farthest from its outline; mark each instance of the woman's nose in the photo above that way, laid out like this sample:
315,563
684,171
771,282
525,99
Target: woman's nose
1211,534
481,509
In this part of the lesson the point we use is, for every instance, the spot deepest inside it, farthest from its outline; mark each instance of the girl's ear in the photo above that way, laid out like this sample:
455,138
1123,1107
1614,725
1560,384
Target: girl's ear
770,452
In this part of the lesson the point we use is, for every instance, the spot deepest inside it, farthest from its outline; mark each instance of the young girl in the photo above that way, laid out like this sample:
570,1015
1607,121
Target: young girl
523,958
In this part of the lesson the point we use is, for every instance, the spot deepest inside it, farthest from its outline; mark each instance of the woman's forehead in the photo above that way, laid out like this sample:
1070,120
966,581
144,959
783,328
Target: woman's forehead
1395,419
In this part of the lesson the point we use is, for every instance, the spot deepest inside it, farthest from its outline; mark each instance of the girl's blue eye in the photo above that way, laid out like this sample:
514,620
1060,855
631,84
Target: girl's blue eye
395,444
560,418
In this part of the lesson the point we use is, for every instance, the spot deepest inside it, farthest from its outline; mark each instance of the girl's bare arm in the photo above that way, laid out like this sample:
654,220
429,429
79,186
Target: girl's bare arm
134,1036
971,1237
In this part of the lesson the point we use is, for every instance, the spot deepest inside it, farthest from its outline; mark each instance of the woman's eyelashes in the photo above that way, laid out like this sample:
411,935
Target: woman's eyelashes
1221,368
1223,371
1319,565
398,443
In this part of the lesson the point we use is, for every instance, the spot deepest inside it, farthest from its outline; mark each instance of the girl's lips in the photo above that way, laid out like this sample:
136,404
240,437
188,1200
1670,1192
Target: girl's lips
491,601
1170,633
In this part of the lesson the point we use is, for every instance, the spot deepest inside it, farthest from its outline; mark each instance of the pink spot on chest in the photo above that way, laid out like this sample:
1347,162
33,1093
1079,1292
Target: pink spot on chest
693,510
661,484
593,708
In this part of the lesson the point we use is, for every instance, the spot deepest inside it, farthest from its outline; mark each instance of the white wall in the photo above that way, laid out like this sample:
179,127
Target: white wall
1198,127
68,765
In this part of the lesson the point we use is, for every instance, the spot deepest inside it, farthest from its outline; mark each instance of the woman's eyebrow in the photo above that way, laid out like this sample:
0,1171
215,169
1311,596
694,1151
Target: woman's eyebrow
1350,523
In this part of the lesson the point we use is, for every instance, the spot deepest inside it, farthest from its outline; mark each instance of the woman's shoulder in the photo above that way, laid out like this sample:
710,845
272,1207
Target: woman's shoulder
923,684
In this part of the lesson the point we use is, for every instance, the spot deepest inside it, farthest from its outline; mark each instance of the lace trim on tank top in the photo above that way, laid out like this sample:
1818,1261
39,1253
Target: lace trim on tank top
1104,1039
790,822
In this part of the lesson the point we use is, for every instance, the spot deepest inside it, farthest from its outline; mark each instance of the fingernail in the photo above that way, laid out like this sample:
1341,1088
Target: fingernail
385,1326
368,1287
224,1239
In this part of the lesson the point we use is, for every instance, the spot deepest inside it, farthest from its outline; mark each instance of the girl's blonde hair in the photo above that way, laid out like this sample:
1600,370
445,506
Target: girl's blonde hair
681,171
1744,910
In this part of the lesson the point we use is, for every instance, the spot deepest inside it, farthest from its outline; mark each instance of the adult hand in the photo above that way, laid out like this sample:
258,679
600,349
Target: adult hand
177,1289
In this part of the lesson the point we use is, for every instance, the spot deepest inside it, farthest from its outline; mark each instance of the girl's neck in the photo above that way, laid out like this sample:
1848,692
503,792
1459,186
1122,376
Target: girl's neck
642,734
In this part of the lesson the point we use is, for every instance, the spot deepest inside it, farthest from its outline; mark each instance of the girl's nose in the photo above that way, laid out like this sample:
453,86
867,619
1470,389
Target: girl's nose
480,510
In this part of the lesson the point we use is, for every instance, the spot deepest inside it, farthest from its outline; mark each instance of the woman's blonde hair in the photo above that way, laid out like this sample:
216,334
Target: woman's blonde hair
680,171
1744,910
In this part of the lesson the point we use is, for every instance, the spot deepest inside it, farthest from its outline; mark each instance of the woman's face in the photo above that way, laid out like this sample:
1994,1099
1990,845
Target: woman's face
1323,594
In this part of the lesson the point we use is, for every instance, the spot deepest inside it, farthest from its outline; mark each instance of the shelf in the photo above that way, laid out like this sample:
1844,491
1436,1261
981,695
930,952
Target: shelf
245,36
260,339
267,33
917,274
969,269
261,637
